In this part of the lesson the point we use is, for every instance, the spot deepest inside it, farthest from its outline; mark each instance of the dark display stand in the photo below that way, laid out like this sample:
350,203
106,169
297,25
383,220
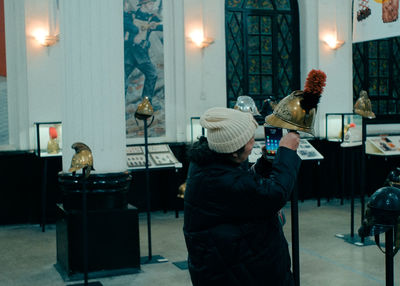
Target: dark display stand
46,172
84,214
355,155
43,155
113,243
150,258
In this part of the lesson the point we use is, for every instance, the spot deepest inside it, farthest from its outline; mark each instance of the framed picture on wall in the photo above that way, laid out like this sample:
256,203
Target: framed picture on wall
144,64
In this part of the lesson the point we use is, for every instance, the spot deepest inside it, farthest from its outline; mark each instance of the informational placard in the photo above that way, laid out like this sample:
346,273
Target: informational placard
375,19
305,151
160,156
383,145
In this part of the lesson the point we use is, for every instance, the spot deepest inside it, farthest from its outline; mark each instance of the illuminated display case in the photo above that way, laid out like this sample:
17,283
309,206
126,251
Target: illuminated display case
48,139
343,127
196,131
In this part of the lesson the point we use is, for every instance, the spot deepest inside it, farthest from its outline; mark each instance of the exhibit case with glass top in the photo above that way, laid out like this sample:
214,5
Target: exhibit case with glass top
48,139
343,127
383,135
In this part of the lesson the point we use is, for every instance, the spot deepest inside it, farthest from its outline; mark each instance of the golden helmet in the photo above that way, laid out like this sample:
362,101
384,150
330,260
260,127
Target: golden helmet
297,110
289,114
181,191
363,106
144,110
82,158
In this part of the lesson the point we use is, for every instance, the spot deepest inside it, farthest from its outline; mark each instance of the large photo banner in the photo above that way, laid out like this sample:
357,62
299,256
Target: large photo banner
375,19
144,64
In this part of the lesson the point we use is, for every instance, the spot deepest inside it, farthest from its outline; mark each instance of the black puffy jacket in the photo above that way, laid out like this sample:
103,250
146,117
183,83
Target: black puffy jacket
231,227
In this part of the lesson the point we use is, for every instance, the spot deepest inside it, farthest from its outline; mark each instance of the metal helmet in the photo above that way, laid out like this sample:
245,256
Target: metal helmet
393,179
363,106
297,110
145,109
383,210
385,200
82,159
289,114
246,104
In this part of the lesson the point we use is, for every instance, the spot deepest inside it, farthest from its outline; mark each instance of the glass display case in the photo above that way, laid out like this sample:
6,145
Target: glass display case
48,139
195,129
343,127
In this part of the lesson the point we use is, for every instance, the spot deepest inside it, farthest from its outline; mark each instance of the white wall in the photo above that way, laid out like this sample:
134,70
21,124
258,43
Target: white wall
335,16
195,78
206,73
43,64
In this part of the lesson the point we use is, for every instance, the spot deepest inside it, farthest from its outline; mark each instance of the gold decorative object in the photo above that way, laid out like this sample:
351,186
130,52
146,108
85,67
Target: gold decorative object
52,146
297,110
82,159
363,106
181,191
144,110
290,115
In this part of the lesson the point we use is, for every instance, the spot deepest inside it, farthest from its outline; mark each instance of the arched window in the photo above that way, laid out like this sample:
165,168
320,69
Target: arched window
376,69
262,49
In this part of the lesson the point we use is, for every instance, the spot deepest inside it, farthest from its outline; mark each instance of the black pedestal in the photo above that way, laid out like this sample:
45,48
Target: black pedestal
113,243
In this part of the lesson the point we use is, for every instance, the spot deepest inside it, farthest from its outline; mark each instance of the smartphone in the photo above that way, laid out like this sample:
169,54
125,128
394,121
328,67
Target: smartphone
272,137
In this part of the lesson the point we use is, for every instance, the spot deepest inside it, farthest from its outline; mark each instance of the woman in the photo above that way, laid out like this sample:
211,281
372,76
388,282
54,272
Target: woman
231,227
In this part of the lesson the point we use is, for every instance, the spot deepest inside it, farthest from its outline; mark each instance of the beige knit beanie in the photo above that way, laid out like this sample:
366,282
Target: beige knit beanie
228,130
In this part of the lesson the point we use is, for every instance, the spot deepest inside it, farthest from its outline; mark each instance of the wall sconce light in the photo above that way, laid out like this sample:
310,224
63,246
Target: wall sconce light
332,42
44,39
197,37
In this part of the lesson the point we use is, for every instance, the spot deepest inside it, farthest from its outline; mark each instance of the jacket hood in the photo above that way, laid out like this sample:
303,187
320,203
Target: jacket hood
201,154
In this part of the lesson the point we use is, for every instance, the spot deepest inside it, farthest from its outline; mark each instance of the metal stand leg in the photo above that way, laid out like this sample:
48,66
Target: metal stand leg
148,195
44,195
318,184
150,258
342,192
389,257
85,237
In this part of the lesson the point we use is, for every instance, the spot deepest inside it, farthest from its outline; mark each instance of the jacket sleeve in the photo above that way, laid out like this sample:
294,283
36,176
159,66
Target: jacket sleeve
260,196
262,166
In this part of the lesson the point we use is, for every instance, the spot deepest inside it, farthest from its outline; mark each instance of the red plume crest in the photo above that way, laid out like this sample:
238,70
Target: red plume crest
314,86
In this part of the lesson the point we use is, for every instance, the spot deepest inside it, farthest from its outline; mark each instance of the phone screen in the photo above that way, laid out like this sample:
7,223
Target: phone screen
272,137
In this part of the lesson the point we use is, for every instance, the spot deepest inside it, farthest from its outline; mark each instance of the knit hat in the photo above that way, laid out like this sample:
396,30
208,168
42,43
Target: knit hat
228,130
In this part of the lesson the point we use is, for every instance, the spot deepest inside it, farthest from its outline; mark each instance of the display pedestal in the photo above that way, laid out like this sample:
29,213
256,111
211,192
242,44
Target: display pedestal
113,243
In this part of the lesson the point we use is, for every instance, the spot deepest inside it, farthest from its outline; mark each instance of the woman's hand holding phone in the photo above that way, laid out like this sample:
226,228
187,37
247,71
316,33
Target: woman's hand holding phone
291,140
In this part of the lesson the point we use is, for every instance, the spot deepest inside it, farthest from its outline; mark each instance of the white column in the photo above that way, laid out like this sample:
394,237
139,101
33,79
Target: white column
93,100
17,82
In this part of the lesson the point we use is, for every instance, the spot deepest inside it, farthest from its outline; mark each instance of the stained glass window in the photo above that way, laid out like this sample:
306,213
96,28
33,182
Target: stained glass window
376,66
262,49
